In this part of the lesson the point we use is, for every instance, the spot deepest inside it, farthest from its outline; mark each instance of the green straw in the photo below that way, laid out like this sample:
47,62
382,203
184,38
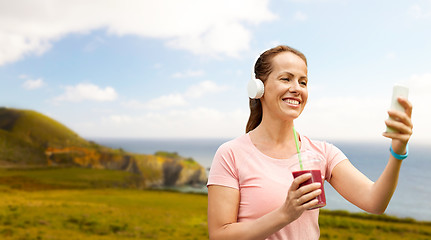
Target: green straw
297,149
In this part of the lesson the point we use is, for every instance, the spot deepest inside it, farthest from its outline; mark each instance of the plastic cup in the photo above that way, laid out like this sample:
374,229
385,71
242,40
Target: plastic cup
311,163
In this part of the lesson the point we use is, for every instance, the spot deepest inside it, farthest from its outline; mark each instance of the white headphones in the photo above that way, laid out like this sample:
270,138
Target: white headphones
255,87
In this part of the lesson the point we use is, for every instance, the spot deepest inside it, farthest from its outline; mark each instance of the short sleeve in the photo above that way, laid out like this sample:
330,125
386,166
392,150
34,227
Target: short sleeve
333,156
223,169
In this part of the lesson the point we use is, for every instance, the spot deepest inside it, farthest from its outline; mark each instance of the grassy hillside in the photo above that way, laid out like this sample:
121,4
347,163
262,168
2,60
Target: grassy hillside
25,134
30,139
88,204
38,129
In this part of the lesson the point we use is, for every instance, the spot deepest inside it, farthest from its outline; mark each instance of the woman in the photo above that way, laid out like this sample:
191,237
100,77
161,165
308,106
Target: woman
251,191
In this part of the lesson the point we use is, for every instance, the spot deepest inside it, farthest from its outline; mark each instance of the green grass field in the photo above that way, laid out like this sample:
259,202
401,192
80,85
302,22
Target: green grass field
72,203
102,214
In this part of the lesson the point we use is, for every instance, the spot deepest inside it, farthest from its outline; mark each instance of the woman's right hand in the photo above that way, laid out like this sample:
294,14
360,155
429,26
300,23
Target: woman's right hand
223,205
300,199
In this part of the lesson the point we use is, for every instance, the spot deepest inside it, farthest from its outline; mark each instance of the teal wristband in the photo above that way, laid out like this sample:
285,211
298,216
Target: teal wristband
397,156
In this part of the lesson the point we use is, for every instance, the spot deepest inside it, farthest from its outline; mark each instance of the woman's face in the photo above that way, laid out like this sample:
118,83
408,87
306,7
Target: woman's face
286,90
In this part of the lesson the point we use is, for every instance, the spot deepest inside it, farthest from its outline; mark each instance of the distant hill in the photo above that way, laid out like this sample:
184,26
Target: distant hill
31,139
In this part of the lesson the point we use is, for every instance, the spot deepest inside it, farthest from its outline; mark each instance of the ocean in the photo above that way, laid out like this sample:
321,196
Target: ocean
411,198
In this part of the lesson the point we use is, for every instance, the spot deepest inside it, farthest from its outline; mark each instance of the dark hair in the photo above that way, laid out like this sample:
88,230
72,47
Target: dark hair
262,69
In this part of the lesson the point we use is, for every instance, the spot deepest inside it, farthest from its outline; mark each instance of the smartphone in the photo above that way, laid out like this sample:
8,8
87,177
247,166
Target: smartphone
398,91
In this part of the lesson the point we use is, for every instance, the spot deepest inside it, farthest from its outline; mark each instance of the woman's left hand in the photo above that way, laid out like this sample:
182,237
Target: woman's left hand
401,122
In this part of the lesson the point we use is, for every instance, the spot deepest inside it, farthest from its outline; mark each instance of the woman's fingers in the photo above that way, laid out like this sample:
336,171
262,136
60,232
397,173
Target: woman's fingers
298,180
304,194
309,192
400,127
408,107
401,122
401,117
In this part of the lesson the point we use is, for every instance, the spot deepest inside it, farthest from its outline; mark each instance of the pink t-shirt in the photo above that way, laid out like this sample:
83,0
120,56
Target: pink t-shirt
263,181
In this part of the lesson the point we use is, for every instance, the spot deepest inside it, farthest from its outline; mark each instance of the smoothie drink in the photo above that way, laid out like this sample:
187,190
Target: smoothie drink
315,177
310,163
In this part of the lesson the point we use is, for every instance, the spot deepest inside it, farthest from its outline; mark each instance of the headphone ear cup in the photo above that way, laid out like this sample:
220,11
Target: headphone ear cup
255,88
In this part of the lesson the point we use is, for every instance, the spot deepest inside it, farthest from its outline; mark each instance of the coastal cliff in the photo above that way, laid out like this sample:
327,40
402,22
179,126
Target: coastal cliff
30,139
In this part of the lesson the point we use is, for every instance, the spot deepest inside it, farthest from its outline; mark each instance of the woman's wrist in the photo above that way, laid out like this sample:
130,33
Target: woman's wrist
399,147
400,156
285,217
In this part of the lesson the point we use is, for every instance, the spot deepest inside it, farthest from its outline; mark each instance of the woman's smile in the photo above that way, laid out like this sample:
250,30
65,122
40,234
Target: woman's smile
294,102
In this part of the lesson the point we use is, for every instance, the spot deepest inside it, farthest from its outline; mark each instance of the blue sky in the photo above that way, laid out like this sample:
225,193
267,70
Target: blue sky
173,69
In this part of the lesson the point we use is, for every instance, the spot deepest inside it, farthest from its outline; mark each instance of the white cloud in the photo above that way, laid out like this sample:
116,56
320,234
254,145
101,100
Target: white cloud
215,41
14,46
87,91
188,74
300,16
31,84
214,28
177,99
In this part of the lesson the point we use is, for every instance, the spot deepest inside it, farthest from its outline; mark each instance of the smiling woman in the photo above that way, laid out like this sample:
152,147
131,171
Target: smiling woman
254,193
